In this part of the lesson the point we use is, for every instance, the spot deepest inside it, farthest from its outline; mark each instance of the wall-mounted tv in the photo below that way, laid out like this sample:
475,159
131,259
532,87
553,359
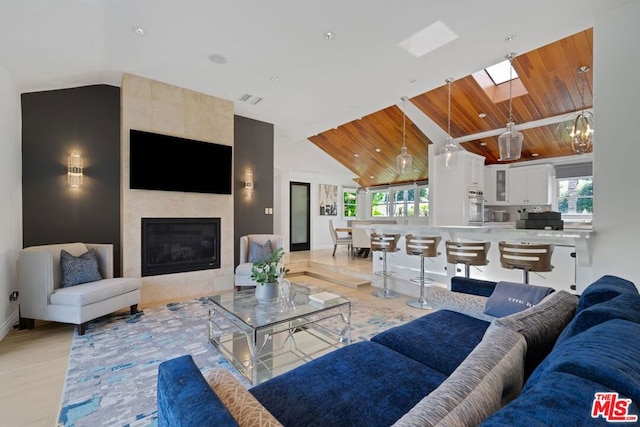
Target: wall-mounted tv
169,163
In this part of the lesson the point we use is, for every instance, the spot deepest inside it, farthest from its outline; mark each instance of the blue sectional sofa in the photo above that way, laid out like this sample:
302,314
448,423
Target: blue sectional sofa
455,366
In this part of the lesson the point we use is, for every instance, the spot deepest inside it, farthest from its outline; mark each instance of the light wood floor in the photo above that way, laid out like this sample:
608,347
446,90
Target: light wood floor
33,363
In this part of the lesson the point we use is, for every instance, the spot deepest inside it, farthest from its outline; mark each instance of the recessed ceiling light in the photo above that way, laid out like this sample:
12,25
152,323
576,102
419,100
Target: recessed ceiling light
482,115
329,35
483,144
275,79
413,81
510,38
534,154
356,155
217,58
139,31
371,176
378,150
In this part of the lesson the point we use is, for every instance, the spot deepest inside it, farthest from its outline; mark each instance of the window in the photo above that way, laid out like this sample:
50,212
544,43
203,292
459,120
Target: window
501,72
349,196
401,202
380,203
575,197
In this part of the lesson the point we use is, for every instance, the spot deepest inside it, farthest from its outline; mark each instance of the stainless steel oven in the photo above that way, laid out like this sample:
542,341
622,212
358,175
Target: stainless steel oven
476,207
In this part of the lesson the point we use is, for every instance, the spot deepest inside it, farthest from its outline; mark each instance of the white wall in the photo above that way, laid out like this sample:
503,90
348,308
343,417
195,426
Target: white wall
616,143
305,162
10,198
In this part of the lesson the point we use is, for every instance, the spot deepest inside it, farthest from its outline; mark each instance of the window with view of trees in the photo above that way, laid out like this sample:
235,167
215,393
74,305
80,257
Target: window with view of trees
400,202
575,196
349,196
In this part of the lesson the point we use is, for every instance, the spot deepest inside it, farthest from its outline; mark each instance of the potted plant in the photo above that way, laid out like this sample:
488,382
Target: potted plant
266,273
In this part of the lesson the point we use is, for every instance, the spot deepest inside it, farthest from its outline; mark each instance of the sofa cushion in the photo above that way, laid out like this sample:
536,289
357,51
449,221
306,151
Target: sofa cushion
560,399
93,292
472,286
471,305
78,269
487,379
608,354
605,288
440,340
259,252
626,306
362,384
541,325
185,399
509,298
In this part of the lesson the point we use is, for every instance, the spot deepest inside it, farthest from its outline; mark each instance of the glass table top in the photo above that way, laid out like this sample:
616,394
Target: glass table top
245,307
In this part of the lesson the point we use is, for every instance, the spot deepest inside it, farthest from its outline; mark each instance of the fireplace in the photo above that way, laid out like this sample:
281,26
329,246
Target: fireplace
178,245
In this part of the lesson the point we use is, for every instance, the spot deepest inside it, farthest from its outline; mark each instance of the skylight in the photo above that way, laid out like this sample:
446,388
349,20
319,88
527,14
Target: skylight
499,73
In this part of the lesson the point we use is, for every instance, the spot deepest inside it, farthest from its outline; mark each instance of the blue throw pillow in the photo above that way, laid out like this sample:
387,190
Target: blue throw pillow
258,252
509,298
77,270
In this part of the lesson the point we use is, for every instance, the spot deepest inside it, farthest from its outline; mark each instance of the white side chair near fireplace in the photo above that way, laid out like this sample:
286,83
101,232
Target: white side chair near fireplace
252,244
42,294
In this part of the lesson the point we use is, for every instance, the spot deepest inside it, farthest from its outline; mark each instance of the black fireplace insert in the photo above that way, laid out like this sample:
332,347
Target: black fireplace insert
178,245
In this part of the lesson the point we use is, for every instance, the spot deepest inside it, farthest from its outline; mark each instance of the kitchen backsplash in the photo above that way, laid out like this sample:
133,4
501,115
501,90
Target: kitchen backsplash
509,213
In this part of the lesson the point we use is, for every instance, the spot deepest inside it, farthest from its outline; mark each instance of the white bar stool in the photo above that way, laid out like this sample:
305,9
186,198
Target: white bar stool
425,247
527,257
385,243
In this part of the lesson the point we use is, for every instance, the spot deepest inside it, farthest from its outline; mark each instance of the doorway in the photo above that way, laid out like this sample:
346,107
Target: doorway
300,216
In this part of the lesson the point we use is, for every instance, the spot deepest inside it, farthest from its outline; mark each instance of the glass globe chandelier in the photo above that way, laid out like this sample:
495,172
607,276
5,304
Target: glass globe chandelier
448,152
404,159
510,142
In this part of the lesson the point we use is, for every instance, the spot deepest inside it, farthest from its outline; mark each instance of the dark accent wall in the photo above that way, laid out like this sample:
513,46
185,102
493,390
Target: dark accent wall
54,124
253,148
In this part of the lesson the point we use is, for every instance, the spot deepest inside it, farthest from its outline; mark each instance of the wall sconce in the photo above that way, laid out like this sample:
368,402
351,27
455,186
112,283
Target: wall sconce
248,180
74,170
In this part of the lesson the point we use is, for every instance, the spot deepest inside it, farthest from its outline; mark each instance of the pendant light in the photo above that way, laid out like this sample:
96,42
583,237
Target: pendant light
582,130
404,159
510,142
448,152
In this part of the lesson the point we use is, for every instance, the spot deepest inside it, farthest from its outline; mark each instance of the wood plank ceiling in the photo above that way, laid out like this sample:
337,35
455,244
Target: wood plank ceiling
549,85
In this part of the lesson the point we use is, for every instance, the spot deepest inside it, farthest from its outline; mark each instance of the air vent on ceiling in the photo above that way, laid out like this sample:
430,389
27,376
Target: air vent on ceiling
250,99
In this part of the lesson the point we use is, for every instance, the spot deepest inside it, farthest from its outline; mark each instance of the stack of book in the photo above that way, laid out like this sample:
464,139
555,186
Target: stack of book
323,299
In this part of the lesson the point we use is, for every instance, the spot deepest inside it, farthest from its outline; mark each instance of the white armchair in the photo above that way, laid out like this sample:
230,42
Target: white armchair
243,270
43,298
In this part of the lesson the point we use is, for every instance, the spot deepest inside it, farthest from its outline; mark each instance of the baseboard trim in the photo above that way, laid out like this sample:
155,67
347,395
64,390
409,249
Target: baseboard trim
8,325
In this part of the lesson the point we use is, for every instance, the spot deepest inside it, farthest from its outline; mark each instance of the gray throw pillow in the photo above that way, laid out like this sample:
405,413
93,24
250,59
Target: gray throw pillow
258,252
80,269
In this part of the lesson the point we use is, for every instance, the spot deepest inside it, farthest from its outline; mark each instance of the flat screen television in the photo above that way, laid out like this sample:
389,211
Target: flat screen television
169,163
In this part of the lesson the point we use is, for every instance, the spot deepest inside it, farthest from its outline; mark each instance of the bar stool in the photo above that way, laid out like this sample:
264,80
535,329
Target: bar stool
527,257
467,253
425,247
385,243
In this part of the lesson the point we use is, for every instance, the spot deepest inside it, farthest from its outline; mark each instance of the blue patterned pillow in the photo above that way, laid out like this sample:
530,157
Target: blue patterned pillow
77,270
258,252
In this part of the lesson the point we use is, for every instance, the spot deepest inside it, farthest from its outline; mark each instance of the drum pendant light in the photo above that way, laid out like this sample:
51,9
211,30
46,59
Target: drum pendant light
510,142
404,159
448,152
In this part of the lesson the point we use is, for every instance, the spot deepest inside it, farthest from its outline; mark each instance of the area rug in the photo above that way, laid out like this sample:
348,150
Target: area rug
112,374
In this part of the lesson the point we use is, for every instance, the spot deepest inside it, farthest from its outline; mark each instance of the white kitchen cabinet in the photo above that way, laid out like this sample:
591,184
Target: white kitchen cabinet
449,188
473,168
531,185
495,185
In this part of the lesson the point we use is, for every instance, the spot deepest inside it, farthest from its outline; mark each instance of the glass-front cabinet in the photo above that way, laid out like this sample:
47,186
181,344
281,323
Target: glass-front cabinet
495,186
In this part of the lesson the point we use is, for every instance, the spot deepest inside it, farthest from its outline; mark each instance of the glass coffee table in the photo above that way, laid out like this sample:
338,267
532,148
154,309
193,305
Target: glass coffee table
263,340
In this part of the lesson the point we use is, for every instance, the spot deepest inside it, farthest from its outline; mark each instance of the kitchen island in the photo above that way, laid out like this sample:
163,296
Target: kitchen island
571,257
